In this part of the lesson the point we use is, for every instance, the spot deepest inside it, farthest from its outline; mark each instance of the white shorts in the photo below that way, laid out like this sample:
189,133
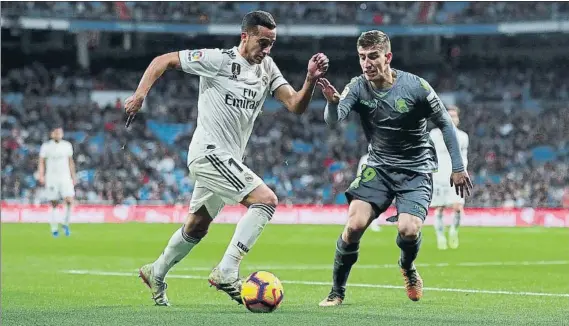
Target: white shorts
444,195
58,189
220,179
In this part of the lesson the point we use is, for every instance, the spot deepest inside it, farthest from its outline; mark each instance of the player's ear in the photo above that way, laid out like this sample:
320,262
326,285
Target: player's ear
244,36
388,57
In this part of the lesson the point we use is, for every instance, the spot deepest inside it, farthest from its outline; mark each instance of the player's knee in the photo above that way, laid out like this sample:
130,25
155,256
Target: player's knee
360,216
458,208
262,195
270,199
409,226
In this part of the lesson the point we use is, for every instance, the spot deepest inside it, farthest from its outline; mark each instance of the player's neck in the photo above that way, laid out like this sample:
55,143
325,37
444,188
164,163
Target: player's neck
241,50
385,80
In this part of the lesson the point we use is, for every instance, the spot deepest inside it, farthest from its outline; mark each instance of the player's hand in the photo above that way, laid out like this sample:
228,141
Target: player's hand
74,181
41,180
461,182
317,66
328,90
132,105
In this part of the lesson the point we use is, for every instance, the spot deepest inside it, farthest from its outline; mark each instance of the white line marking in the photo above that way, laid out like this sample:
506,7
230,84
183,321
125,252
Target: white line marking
361,285
329,267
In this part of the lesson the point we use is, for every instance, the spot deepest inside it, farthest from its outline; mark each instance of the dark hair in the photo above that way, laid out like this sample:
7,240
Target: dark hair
257,18
373,38
55,125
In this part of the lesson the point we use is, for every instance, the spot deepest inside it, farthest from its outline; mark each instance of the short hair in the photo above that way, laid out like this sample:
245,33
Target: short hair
373,38
55,125
257,18
453,107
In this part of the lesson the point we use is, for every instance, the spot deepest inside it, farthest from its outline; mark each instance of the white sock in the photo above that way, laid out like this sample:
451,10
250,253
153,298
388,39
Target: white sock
178,247
439,224
246,234
456,220
67,214
53,219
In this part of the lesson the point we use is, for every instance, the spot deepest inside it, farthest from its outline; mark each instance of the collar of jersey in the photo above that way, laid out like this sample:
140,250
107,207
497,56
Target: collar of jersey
385,91
241,58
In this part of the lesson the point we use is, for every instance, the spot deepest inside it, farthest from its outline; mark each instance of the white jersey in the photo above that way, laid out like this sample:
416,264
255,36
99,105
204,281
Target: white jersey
231,95
57,156
443,156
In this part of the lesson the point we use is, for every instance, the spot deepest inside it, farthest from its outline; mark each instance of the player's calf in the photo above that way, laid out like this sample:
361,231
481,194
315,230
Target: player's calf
66,220
261,204
453,230
409,240
181,243
360,215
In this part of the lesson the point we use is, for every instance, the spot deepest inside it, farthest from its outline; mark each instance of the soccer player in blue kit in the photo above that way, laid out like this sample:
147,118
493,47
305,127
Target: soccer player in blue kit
394,107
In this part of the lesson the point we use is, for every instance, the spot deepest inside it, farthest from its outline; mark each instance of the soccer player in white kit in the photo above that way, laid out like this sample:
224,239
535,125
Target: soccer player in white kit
234,84
57,172
444,195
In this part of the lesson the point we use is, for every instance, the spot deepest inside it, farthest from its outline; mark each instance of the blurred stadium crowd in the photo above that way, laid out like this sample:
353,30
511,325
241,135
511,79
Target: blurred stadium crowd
516,157
357,12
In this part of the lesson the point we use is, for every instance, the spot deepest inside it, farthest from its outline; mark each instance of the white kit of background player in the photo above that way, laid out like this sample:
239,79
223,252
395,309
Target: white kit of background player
234,84
57,172
444,196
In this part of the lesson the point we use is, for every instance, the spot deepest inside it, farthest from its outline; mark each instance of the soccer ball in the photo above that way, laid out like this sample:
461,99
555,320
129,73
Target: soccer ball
262,292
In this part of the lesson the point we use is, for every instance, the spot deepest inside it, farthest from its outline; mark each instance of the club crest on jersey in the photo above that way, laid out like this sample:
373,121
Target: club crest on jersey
196,55
248,178
235,70
401,105
265,80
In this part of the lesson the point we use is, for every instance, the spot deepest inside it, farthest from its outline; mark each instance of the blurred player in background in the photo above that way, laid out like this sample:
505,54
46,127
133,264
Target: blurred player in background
234,84
444,196
57,173
374,225
394,107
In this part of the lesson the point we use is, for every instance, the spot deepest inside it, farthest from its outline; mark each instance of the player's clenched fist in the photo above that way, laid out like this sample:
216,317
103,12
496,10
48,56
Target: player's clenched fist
317,66
133,104
328,90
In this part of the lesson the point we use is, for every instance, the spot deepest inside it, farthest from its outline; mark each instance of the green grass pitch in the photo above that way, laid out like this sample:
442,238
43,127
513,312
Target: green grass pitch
90,278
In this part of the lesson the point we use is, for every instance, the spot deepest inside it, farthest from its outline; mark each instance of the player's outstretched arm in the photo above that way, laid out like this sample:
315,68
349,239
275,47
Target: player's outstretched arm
338,106
297,102
440,117
156,68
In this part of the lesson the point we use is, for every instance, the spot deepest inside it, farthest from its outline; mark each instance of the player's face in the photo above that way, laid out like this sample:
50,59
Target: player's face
454,116
258,45
57,134
374,61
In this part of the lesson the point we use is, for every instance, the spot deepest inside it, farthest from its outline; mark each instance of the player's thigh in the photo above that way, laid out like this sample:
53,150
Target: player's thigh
225,176
413,193
360,216
371,187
